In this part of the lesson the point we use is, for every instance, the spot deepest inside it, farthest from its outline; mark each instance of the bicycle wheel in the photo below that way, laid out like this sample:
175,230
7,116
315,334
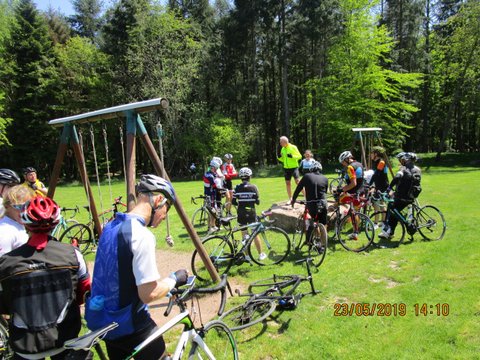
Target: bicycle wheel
221,253
333,184
62,226
6,352
378,218
248,314
275,245
431,223
78,235
228,209
356,232
298,234
282,283
218,339
200,220
317,247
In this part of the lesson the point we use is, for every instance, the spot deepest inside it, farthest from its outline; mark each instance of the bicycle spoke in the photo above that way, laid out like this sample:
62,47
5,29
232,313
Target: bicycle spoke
248,314
356,232
217,339
274,244
318,244
221,255
431,223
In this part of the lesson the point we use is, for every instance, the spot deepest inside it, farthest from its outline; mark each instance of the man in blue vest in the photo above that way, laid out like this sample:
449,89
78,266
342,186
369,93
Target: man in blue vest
126,276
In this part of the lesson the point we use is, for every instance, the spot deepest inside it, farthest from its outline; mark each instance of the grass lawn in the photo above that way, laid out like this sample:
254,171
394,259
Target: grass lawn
443,272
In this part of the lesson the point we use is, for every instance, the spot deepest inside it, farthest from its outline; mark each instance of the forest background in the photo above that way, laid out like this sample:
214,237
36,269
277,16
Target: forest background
240,74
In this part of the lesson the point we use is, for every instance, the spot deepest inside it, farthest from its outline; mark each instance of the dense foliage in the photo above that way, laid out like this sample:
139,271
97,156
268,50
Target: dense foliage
239,75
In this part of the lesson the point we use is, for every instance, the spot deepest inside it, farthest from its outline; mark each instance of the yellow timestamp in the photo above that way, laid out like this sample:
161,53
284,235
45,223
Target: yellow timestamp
390,309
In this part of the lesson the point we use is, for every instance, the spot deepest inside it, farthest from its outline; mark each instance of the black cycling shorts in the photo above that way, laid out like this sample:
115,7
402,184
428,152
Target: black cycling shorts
228,184
291,172
246,216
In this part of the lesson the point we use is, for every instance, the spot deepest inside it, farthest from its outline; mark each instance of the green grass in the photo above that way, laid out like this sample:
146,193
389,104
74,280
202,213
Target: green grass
444,272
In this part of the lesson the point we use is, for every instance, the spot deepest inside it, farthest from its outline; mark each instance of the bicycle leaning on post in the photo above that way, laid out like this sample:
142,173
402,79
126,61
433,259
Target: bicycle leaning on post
212,340
317,244
200,216
427,220
65,222
84,235
353,229
266,295
234,249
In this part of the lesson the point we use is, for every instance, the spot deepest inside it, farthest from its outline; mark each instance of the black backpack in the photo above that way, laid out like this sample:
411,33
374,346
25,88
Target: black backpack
415,187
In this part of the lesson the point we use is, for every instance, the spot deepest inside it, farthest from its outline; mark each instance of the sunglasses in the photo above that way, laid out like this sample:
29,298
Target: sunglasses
19,207
166,202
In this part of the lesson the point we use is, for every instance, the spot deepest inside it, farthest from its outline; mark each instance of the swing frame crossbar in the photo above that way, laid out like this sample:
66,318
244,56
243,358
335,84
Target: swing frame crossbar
134,126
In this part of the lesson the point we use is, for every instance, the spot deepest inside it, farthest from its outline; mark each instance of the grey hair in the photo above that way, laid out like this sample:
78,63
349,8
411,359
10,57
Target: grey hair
284,138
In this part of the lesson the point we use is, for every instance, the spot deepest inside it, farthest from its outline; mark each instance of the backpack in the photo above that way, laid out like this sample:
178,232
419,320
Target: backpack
415,187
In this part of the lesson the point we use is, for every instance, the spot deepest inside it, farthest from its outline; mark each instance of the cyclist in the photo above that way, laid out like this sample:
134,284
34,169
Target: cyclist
306,162
353,174
211,191
31,180
126,276
43,285
228,170
407,187
12,230
379,179
246,196
316,186
289,157
8,179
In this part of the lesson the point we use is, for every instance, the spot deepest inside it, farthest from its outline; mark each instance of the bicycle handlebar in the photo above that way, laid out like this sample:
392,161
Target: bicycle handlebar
192,200
180,295
75,210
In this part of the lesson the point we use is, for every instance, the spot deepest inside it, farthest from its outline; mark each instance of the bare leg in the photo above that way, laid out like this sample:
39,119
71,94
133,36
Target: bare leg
289,189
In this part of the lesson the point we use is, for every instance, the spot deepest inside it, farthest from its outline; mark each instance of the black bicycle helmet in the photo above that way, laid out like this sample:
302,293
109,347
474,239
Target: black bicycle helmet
9,177
156,184
29,170
316,167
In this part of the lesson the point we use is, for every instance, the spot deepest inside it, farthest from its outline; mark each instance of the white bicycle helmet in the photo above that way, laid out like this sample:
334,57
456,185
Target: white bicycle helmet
228,156
245,173
215,163
316,167
344,156
156,184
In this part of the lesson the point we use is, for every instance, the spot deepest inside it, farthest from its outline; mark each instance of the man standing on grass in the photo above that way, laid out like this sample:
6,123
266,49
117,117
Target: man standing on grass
289,157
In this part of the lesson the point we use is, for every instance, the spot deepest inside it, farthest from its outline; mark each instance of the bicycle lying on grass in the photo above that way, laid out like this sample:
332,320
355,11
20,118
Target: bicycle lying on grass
214,340
84,235
317,244
353,229
201,215
427,220
234,248
266,295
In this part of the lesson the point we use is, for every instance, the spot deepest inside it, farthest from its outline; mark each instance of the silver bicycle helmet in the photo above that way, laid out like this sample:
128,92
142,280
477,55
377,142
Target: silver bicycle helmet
215,163
245,173
228,156
344,156
9,177
316,167
156,184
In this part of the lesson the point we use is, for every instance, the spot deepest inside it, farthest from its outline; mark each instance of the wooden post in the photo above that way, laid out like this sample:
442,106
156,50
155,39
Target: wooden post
159,168
131,159
77,150
62,149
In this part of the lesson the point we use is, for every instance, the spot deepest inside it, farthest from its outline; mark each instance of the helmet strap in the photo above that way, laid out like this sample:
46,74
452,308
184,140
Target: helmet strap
152,205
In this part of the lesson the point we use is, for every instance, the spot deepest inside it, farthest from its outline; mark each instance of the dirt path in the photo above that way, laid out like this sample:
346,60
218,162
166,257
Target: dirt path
168,261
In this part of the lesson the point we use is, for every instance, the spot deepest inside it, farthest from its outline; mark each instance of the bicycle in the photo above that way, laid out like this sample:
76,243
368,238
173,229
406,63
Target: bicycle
317,244
354,230
267,295
226,250
335,183
213,340
201,215
65,223
84,235
427,220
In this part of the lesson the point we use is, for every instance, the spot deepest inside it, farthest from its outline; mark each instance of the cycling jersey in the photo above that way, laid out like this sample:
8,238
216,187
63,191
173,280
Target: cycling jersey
354,171
305,165
289,156
404,180
12,235
228,170
246,196
379,177
38,184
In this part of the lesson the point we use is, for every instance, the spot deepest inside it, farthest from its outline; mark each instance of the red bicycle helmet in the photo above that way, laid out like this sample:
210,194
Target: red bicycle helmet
40,215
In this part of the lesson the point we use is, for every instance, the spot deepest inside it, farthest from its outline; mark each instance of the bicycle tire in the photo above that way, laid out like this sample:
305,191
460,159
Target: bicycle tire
248,314
275,243
78,235
62,226
317,247
428,219
221,253
333,184
220,341
298,234
200,220
356,232
226,212
279,282
400,230
6,352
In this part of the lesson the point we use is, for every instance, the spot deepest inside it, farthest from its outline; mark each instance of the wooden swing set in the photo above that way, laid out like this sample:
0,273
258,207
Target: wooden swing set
368,138
134,126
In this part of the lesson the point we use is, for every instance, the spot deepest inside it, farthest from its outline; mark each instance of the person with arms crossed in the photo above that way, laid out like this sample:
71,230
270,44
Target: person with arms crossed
43,284
210,190
228,170
246,196
31,180
289,157
12,230
126,278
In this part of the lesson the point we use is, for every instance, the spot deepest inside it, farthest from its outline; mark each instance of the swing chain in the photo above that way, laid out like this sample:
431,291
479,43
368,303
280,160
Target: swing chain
108,162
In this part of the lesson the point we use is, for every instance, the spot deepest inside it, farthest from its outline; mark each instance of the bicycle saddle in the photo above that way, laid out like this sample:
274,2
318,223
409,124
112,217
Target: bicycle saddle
226,220
87,341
